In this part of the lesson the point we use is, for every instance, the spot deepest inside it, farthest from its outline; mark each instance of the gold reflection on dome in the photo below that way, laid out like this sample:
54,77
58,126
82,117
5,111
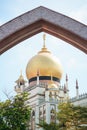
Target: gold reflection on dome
46,63
50,86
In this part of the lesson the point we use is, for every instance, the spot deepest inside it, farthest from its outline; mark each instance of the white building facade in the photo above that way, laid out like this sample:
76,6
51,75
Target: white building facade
44,73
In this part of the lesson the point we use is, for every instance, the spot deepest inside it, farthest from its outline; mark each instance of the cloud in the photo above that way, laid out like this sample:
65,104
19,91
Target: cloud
80,14
72,63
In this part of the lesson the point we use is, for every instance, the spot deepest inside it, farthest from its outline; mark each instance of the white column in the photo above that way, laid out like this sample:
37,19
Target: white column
37,77
37,80
37,116
46,95
47,107
56,112
48,112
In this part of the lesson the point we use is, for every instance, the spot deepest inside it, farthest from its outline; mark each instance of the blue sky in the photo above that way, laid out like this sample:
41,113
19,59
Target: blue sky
74,61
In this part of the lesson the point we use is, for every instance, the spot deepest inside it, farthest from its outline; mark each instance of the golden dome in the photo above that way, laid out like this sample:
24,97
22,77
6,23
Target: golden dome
46,63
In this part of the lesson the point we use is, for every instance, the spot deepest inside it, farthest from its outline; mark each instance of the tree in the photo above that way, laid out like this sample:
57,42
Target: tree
71,116
15,113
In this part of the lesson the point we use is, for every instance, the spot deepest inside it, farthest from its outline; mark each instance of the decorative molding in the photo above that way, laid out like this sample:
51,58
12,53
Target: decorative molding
42,19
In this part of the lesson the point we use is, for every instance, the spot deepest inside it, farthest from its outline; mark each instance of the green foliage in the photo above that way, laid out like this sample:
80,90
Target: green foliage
71,116
14,114
51,126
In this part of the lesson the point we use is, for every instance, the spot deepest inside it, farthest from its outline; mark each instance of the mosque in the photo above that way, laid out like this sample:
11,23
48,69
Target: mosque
44,72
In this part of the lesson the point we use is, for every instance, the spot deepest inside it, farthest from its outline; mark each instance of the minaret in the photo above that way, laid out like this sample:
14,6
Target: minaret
77,89
65,89
65,93
20,84
66,82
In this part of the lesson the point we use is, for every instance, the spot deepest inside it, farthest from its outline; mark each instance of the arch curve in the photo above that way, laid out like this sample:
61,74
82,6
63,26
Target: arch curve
43,19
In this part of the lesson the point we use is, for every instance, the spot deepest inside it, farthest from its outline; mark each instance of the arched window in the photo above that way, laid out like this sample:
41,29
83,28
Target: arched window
33,113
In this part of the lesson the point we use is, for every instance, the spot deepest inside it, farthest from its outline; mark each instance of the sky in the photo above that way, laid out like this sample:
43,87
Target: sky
14,60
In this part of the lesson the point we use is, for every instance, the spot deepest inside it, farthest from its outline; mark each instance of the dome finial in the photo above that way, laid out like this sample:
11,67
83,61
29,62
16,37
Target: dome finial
44,49
44,38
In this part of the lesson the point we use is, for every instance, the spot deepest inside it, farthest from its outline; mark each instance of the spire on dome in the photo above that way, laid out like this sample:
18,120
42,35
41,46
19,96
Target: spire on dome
44,38
38,72
44,49
20,80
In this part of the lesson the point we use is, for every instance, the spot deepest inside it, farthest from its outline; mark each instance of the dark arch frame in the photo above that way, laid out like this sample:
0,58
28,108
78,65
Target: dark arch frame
42,19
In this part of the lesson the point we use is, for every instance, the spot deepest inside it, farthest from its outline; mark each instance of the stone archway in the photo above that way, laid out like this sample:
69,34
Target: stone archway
39,20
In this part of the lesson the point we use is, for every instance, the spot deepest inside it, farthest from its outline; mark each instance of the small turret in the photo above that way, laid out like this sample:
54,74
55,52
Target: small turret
20,84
